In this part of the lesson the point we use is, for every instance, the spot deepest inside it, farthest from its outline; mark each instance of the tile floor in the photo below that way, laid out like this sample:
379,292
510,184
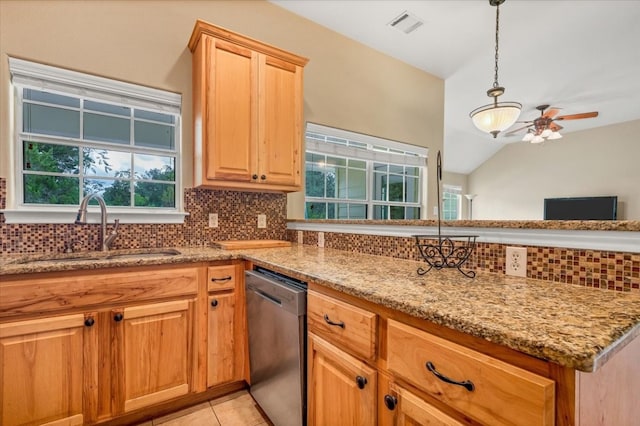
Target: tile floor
236,409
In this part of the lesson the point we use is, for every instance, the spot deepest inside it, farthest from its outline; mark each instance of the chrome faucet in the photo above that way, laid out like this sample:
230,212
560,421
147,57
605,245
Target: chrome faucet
81,219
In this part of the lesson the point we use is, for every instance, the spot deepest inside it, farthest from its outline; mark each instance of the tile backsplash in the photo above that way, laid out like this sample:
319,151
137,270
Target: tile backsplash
592,268
237,219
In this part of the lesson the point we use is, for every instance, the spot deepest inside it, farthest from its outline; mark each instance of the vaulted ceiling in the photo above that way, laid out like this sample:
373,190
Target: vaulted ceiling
572,54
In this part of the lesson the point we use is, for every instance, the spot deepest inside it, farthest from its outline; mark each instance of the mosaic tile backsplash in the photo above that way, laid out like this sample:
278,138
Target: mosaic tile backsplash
593,268
237,220
237,216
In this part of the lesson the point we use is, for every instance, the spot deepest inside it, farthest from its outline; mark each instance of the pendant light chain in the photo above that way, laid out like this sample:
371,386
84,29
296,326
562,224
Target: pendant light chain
495,81
496,116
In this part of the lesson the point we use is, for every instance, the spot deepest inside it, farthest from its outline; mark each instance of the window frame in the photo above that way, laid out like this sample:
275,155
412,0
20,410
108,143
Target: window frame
456,191
377,150
32,75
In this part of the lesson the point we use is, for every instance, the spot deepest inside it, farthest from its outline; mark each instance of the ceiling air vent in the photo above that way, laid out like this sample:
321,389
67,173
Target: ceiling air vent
406,22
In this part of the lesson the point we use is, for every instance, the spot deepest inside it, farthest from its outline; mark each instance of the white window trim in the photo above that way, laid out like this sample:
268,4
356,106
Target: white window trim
337,150
44,77
457,191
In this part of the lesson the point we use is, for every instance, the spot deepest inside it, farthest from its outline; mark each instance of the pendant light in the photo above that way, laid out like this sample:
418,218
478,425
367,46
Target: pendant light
497,116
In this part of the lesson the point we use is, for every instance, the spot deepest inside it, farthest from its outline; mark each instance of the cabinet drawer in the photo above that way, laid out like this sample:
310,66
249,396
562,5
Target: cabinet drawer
347,326
221,277
497,393
82,289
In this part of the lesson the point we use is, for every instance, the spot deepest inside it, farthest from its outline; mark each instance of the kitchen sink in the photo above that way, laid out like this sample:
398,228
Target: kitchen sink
99,255
143,254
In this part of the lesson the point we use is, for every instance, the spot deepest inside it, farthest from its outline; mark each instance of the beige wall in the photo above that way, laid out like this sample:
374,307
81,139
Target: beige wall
604,161
347,85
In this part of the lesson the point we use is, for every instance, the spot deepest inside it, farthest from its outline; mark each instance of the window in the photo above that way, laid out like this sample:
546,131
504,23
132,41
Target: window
451,202
355,176
78,134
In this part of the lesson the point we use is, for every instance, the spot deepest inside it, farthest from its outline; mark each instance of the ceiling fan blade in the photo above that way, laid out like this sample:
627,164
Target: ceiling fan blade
552,112
555,127
578,116
517,130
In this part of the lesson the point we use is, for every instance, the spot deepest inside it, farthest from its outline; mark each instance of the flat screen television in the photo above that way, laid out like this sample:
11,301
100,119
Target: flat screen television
581,208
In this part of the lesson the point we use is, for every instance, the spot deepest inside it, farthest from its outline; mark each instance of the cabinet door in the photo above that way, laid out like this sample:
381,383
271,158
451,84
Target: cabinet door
153,355
411,410
42,371
231,120
221,339
342,389
280,124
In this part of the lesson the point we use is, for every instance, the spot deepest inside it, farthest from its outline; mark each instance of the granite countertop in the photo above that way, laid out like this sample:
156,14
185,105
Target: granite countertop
574,326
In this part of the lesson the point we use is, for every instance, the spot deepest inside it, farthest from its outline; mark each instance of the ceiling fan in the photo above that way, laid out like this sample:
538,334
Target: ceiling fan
546,126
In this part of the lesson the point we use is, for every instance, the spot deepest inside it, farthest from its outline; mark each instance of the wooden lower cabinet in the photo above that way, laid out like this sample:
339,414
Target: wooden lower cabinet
112,345
153,350
42,371
411,410
342,388
221,339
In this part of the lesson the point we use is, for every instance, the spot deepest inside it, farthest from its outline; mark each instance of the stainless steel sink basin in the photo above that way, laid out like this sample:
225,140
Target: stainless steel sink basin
83,257
143,254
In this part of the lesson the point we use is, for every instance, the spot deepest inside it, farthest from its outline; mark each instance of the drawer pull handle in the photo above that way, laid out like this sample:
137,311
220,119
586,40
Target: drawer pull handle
254,176
89,321
214,303
467,384
337,324
118,317
221,280
390,402
361,382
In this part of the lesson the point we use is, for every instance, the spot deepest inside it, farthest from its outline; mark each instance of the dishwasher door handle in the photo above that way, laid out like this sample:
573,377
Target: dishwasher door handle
266,296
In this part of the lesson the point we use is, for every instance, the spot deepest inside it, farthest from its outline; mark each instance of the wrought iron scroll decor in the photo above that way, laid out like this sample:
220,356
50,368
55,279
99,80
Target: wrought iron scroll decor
445,251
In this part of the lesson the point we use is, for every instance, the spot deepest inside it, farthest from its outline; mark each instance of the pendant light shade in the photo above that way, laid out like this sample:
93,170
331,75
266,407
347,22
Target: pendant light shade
498,116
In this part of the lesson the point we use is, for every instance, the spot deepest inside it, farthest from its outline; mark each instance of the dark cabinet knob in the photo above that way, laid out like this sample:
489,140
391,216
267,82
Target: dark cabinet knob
254,177
390,402
214,303
263,177
118,317
89,321
361,381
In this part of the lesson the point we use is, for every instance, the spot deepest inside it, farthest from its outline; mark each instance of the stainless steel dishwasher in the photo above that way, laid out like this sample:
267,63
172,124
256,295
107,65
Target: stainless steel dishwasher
276,321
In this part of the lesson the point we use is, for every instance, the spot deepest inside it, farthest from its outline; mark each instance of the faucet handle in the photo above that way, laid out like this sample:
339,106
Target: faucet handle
116,223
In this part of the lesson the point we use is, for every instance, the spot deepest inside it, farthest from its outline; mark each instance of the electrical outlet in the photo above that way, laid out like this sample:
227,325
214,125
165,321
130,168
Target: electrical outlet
516,261
300,237
213,220
262,221
320,239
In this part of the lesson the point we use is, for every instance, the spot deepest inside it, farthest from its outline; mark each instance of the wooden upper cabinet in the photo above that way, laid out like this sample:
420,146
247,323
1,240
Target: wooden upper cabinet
232,101
247,112
280,132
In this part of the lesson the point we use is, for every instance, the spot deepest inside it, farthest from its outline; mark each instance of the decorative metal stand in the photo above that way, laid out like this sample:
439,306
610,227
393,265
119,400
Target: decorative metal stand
445,251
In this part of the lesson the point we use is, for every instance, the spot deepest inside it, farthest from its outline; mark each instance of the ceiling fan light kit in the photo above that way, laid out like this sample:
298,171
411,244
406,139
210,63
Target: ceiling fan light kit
498,116
546,127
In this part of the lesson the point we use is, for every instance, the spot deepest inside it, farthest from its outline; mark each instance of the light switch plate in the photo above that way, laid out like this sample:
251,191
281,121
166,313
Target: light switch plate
262,221
300,237
320,239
